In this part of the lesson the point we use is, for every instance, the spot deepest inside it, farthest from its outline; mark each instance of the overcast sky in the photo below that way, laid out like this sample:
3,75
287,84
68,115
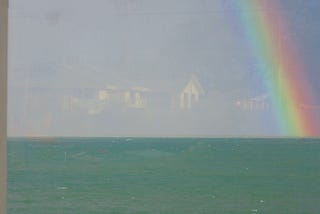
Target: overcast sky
158,44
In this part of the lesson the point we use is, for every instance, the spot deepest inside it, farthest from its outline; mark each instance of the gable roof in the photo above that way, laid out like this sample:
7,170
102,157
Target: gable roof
194,82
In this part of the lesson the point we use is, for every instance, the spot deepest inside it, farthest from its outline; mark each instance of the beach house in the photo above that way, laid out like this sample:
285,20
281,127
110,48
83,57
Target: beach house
191,93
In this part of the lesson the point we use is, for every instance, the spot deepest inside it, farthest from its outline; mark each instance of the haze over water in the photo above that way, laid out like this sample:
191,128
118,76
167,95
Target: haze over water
145,68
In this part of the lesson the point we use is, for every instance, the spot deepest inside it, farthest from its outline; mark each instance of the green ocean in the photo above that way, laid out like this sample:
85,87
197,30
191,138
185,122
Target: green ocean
163,175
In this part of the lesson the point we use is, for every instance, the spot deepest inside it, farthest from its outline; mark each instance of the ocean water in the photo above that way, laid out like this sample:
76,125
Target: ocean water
148,175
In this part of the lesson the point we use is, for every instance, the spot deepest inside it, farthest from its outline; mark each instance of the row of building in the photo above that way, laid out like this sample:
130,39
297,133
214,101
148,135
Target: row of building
187,97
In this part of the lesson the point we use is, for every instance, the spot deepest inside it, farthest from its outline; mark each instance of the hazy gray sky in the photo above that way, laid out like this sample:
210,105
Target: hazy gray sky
58,45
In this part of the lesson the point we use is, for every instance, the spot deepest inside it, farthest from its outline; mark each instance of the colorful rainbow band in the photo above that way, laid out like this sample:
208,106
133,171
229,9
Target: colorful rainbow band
280,67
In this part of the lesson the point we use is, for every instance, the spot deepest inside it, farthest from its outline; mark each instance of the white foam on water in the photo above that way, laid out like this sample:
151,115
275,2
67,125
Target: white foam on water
62,188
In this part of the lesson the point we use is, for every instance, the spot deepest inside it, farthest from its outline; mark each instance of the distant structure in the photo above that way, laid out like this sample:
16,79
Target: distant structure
133,98
191,93
104,95
96,100
258,103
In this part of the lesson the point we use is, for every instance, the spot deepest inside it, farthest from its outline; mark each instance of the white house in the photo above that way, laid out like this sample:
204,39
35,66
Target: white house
191,93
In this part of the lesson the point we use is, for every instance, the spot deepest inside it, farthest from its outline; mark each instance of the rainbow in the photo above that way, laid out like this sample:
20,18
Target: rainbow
280,67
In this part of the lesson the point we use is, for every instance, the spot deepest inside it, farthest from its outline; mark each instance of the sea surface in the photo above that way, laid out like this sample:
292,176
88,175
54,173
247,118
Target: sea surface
163,175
